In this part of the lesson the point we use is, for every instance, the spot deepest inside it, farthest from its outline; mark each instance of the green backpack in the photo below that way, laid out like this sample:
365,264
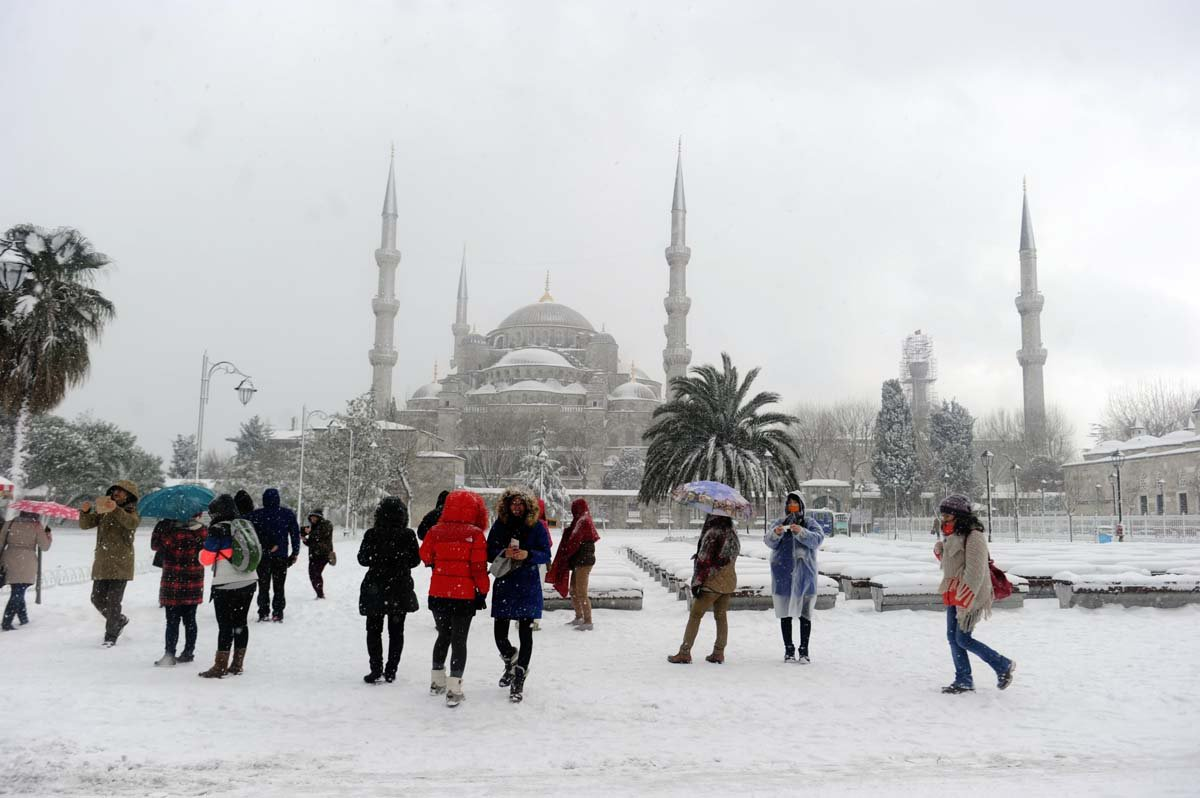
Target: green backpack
247,551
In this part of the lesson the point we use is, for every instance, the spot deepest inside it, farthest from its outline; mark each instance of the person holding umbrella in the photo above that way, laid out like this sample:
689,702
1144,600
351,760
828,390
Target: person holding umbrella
714,580
181,586
794,541
20,541
115,519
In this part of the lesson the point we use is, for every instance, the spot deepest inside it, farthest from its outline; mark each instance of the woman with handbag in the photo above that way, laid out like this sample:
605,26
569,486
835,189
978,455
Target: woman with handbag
966,590
714,580
20,541
389,553
176,546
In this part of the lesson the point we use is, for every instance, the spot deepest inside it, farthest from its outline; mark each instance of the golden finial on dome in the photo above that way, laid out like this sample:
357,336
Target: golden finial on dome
546,296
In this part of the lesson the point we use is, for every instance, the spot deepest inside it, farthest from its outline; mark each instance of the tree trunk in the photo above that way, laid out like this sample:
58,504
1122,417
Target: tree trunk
17,471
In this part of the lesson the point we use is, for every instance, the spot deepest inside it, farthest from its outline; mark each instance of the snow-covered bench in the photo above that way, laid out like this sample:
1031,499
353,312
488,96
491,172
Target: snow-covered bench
1040,575
919,591
1131,589
611,586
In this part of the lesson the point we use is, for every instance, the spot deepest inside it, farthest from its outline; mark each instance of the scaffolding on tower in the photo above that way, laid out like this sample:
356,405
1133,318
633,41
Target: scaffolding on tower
918,373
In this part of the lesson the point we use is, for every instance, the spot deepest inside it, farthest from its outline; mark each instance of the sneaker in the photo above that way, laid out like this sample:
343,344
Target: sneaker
262,618
584,627
1007,677
109,643
789,653
277,618
802,657
166,661
956,688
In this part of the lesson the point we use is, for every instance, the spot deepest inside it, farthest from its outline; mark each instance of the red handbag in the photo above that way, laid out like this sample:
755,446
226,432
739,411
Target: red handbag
1001,587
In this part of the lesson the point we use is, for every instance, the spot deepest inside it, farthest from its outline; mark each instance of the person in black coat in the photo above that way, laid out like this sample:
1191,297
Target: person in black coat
389,552
431,517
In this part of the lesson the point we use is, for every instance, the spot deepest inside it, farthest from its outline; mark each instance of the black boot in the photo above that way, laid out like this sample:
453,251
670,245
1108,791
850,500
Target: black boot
375,656
395,649
789,653
516,691
805,631
510,664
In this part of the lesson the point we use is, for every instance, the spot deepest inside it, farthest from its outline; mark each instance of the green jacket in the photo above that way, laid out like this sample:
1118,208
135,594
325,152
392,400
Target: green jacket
320,539
114,541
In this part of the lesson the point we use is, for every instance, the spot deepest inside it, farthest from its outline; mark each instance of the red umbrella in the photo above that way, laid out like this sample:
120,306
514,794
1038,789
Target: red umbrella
52,509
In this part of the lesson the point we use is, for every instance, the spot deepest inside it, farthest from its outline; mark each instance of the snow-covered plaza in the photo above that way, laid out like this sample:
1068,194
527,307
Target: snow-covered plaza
1104,703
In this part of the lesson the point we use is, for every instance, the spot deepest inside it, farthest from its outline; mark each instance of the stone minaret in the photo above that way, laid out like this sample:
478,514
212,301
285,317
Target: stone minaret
460,328
676,355
387,257
1031,355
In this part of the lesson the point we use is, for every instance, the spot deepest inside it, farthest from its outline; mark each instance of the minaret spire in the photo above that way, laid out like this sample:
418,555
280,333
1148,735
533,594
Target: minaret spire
383,354
676,355
460,328
1031,355
546,296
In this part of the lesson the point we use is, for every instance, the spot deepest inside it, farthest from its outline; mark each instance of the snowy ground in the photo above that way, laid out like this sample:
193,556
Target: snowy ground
1104,704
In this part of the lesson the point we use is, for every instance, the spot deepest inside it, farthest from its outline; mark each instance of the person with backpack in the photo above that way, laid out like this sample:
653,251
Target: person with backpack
20,541
389,552
573,564
714,579
794,541
967,592
276,526
432,516
231,550
115,519
318,536
181,586
456,549
517,545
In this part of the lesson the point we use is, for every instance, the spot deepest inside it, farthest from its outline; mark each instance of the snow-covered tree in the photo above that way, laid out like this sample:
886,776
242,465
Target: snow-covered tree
85,456
895,461
952,449
260,462
540,471
626,473
183,457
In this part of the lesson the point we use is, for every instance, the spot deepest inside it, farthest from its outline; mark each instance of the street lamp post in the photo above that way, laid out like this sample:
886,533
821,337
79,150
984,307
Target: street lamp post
1043,522
1162,505
305,414
766,469
1099,506
1016,505
1117,459
987,457
245,391
1112,484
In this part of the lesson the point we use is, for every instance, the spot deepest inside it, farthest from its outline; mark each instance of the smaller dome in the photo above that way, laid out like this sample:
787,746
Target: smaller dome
533,357
603,338
475,338
634,390
1178,435
429,391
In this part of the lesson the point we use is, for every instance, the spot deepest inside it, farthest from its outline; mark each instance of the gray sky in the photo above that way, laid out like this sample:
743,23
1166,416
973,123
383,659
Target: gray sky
853,173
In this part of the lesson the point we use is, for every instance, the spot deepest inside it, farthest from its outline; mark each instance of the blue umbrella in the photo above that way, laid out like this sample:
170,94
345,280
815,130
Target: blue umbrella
714,498
179,502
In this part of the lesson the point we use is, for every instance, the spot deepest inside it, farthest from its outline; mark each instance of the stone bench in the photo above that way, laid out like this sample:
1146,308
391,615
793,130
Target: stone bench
1165,591
906,592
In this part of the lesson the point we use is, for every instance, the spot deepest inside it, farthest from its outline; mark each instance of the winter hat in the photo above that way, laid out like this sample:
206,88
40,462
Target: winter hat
955,503
245,504
579,507
319,512
392,513
223,508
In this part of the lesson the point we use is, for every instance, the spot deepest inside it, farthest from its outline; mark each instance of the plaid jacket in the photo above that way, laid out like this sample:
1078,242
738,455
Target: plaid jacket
182,574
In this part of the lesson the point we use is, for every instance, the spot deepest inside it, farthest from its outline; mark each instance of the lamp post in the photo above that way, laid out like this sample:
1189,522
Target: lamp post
1043,521
245,391
987,456
1099,506
1162,505
305,415
1117,458
1112,484
766,469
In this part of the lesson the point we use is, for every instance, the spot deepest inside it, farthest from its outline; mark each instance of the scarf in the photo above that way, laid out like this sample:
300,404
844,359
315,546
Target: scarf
967,579
581,531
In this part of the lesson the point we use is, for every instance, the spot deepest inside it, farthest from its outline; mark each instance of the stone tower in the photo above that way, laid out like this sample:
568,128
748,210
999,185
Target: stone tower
1031,355
461,328
676,355
383,354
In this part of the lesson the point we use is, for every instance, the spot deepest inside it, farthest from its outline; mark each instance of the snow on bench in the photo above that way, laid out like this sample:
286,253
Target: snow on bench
1132,589
611,586
910,590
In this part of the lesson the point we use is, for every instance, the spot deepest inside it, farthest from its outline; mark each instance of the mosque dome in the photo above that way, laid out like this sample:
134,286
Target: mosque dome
634,390
534,357
546,314
429,391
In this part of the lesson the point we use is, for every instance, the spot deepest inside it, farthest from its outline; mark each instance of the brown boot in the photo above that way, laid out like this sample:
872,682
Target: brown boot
684,657
220,667
717,657
239,659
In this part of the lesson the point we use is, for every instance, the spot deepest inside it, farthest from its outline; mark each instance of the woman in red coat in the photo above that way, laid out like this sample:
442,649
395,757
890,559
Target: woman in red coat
181,588
456,549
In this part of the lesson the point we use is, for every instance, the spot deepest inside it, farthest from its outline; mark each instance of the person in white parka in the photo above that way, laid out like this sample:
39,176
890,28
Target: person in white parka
794,540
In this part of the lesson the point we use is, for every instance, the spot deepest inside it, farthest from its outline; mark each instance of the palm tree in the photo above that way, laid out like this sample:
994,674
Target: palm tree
710,431
46,323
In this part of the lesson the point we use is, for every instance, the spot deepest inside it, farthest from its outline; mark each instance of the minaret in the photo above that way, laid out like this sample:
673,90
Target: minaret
460,328
1031,355
676,355
383,355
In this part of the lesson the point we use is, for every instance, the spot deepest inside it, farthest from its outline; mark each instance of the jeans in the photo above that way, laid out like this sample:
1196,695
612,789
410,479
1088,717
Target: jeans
395,627
185,614
272,572
961,642
16,605
232,607
719,603
315,566
524,635
452,631
106,598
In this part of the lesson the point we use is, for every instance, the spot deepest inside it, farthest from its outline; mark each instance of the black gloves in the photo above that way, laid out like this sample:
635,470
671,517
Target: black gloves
480,601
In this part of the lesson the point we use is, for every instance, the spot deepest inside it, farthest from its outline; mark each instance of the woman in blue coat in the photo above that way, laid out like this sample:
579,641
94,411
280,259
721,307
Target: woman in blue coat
794,540
517,544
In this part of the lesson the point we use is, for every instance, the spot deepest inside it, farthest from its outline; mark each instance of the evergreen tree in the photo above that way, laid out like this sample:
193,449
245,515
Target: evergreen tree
894,465
540,471
183,457
952,449
85,457
627,472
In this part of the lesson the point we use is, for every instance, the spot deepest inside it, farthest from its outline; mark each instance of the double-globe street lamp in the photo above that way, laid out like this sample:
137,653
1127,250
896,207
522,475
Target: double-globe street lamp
245,391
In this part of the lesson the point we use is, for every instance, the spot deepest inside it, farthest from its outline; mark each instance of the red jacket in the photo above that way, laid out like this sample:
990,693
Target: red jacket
456,547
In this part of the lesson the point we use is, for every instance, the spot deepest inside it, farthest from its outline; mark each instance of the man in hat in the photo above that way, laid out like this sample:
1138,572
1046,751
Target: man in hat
115,519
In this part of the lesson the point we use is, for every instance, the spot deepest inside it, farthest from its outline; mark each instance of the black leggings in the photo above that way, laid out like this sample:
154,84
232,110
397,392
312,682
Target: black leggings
232,606
785,625
524,636
452,629
395,626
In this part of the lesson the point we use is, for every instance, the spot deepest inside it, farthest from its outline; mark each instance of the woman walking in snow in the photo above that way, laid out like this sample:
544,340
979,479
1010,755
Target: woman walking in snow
318,536
389,553
714,579
20,541
573,564
966,589
232,589
181,586
456,549
517,544
794,541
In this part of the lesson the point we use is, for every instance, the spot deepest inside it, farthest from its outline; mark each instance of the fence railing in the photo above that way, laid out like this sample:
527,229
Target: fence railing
1055,527
78,575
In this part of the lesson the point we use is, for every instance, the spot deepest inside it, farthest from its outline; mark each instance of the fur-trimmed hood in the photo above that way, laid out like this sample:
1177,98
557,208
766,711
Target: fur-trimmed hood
532,510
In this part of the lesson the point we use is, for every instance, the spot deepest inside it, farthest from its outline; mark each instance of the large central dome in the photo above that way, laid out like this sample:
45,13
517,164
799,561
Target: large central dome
546,314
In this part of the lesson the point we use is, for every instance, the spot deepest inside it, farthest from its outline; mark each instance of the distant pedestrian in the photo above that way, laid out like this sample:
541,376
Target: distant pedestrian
115,519
714,580
517,544
389,552
232,590
432,516
794,540
573,564
966,590
456,549
318,536
277,528
181,586
20,541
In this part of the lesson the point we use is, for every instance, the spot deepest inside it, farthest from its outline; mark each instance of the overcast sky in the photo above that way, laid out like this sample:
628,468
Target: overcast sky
853,173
